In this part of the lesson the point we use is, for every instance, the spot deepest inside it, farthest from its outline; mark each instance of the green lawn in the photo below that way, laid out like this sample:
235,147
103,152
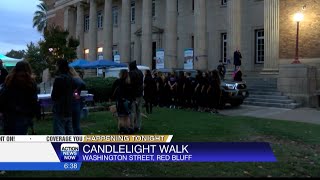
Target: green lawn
296,146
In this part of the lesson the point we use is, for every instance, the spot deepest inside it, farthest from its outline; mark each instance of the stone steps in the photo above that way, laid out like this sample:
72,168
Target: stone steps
262,89
273,93
278,105
267,100
263,92
268,97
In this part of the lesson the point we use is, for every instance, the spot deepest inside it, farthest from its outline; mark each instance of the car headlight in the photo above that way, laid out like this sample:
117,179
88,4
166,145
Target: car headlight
230,86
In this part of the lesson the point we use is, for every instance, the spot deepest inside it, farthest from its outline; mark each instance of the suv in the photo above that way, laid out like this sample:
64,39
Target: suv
233,93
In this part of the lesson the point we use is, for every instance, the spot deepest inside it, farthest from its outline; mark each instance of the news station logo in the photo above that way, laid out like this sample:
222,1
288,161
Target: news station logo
69,152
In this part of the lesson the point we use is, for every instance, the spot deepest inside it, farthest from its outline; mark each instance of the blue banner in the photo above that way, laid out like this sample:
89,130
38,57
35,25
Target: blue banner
165,152
37,166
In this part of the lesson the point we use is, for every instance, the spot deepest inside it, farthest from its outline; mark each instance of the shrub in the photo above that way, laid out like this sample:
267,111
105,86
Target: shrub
100,87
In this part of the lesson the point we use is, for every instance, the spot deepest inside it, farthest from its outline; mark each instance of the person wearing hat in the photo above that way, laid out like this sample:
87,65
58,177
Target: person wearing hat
3,72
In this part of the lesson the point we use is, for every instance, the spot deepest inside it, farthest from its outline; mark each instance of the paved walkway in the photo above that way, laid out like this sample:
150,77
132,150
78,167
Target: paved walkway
308,115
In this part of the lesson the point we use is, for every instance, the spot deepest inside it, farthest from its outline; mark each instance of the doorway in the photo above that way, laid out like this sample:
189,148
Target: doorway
154,51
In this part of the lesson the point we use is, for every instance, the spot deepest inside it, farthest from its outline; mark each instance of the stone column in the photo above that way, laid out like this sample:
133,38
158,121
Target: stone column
200,52
170,53
93,31
271,37
79,30
108,30
234,27
125,39
66,18
70,20
146,57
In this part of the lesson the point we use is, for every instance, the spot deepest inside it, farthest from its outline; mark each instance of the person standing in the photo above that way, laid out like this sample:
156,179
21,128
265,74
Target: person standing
62,97
181,99
237,59
215,90
78,101
222,70
136,78
172,82
237,75
122,94
3,72
149,91
19,101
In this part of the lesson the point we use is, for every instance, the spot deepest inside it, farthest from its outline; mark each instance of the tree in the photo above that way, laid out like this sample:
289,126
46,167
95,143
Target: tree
40,17
36,59
16,54
57,44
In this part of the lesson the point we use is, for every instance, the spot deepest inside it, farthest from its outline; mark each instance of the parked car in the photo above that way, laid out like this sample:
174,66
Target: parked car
114,72
233,93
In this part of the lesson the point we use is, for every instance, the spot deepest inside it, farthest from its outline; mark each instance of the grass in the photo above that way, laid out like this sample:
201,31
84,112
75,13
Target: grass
296,146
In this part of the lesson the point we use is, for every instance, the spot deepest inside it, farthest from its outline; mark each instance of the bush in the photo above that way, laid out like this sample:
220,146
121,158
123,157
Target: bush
100,87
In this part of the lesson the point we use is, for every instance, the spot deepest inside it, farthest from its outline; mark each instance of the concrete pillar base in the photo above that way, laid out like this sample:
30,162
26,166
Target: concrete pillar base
298,81
269,71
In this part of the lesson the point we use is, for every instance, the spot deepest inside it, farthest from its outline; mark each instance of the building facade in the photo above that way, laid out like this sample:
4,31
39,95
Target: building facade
263,30
213,28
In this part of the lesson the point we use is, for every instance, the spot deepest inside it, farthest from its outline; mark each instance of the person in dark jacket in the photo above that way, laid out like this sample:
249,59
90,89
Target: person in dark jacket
149,91
237,59
181,100
188,90
122,94
222,70
238,75
78,101
62,97
136,78
3,72
19,103
172,82
215,91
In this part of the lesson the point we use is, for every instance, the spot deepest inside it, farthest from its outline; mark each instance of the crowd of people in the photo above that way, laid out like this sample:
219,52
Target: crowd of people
201,93
19,103
128,93
19,96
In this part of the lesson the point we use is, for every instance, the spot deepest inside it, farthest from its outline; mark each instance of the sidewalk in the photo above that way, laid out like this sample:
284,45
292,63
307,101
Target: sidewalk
307,115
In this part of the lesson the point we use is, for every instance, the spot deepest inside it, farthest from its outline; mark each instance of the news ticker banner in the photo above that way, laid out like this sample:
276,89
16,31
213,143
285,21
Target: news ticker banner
66,153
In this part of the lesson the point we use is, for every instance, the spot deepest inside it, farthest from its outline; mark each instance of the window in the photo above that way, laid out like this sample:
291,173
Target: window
192,5
100,20
100,50
224,2
153,8
259,46
115,50
115,14
132,51
133,11
86,53
86,23
224,47
178,6
192,42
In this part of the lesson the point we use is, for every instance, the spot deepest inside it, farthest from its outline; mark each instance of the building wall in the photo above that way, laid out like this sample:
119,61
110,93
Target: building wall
252,20
309,29
217,23
57,18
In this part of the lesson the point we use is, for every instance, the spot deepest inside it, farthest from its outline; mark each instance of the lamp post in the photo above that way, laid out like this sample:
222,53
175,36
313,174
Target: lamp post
297,18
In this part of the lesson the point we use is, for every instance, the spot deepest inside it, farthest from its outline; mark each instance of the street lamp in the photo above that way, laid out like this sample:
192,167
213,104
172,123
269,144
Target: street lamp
297,18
